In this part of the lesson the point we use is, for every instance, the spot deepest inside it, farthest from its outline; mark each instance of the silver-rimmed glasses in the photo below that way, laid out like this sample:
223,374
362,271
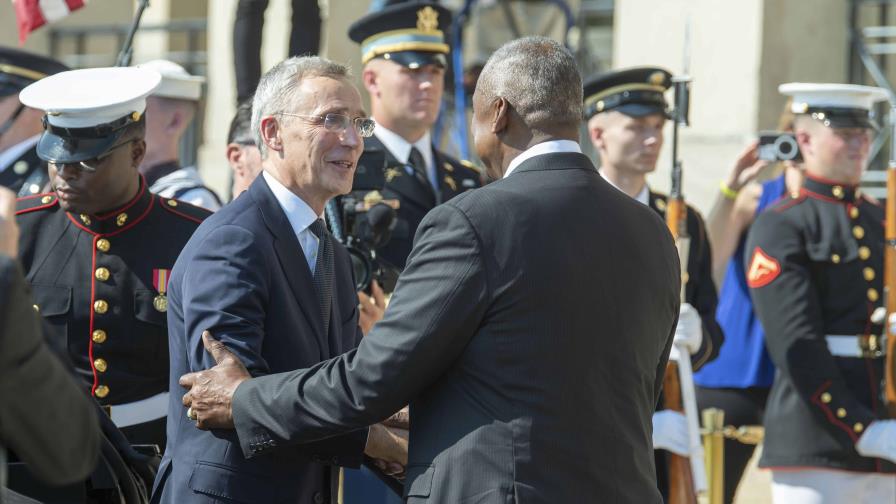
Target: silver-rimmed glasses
338,123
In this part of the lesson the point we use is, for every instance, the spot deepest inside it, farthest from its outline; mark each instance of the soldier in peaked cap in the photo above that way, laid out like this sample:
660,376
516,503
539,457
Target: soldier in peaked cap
20,126
814,267
404,53
170,110
625,111
98,248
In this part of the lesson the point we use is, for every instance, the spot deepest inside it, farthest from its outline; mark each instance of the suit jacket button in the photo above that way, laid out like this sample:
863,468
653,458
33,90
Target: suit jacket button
318,498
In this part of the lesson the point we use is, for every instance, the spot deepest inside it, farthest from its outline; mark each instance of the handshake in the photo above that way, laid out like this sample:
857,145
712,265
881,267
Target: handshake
209,402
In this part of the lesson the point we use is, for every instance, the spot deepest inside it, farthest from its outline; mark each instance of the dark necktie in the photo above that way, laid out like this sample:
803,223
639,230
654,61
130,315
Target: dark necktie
323,271
415,159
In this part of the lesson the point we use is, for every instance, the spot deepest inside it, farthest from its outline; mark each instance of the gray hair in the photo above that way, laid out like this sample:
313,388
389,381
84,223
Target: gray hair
278,89
540,80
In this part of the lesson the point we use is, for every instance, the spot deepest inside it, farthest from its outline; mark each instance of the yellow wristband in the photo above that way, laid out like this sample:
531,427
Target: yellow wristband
727,191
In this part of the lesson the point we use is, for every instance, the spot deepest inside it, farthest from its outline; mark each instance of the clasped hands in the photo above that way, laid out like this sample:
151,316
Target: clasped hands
209,402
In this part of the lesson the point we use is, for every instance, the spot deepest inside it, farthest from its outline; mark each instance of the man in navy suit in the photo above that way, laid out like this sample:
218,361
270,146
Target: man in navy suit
268,279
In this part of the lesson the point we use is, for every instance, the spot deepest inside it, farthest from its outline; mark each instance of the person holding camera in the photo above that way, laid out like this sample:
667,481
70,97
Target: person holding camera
625,112
814,267
739,379
405,55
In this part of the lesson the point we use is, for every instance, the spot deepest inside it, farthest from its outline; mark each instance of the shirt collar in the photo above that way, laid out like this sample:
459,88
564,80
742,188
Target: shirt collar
15,152
401,148
299,213
643,195
549,147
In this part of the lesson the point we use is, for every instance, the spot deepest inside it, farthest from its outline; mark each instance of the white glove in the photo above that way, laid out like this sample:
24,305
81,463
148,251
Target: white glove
689,331
879,440
670,432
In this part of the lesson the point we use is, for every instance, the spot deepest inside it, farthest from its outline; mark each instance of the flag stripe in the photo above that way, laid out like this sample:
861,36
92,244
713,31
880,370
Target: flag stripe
54,10
28,16
74,4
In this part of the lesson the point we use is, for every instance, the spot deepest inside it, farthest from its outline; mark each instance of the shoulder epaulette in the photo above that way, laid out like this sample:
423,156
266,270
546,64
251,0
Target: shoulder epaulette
184,210
36,202
788,201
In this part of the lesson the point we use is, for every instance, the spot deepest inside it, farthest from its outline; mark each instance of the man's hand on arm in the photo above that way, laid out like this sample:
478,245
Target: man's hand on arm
209,396
9,231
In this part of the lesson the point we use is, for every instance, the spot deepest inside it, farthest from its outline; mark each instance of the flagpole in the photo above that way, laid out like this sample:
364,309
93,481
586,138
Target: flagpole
124,57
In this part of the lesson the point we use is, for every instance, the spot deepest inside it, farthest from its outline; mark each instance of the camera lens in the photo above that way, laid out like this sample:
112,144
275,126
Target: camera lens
362,268
786,147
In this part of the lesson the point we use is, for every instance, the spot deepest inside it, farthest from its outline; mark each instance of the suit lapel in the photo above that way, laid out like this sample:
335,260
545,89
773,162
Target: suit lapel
292,260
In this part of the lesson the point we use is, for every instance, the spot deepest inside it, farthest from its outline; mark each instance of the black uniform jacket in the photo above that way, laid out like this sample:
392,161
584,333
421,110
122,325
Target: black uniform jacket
814,267
700,291
27,175
416,198
99,281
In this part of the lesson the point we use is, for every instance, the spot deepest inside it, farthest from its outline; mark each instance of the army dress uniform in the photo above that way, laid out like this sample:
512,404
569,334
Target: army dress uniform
815,270
21,170
417,196
100,281
418,175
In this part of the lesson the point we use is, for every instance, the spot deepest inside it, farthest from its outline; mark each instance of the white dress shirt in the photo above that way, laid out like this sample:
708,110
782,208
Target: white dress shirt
643,195
14,152
549,147
401,149
300,216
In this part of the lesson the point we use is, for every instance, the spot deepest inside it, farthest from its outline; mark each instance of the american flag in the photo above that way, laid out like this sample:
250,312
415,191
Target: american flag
32,14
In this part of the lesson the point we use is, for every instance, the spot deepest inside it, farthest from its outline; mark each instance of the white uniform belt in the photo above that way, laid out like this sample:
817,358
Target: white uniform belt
138,412
860,346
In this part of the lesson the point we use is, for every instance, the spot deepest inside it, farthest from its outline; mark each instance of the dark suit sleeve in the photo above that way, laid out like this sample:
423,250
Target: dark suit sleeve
45,418
437,307
225,291
703,295
790,311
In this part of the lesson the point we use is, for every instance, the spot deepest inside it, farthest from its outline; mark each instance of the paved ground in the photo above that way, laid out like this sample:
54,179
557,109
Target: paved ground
756,486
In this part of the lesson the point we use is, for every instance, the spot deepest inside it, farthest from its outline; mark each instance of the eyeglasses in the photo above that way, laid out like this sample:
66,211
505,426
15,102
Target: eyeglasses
93,164
338,123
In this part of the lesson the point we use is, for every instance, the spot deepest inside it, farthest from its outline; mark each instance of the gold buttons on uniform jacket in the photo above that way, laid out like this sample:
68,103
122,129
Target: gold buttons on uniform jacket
100,306
101,391
85,219
873,295
172,203
835,258
101,274
826,398
854,212
841,413
46,199
37,308
837,191
858,232
121,219
858,427
864,252
868,273
98,336
100,365
103,245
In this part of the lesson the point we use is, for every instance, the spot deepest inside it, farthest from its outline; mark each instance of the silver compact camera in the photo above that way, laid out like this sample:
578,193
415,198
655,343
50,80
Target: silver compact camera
778,146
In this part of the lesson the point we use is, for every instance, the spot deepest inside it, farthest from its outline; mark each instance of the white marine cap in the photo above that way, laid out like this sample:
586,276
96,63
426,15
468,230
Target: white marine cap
87,110
176,81
836,105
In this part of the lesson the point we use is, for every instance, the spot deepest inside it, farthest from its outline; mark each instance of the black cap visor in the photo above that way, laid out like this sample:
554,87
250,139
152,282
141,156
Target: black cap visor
55,148
843,118
416,59
641,109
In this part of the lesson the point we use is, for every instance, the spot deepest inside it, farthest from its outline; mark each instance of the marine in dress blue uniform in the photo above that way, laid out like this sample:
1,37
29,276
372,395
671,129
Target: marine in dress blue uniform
814,264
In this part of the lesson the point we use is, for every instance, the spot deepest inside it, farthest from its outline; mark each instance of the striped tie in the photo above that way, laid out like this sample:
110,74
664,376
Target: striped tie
323,271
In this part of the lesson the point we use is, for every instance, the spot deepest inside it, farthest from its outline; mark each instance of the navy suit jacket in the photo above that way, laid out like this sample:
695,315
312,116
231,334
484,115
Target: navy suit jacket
243,276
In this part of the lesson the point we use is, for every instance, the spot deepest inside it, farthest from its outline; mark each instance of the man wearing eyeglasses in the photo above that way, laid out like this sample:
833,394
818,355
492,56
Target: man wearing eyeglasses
97,250
404,54
265,276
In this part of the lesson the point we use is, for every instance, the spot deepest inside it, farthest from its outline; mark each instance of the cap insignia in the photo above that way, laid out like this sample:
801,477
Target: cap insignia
657,78
427,19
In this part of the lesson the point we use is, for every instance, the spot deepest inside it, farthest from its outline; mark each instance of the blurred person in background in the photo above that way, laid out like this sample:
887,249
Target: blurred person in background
243,155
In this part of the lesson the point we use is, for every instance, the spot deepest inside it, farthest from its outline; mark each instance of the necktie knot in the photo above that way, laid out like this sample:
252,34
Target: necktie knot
318,228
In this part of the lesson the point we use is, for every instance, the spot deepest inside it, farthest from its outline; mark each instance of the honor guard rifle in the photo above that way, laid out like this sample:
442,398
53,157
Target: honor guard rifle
687,475
124,57
890,273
